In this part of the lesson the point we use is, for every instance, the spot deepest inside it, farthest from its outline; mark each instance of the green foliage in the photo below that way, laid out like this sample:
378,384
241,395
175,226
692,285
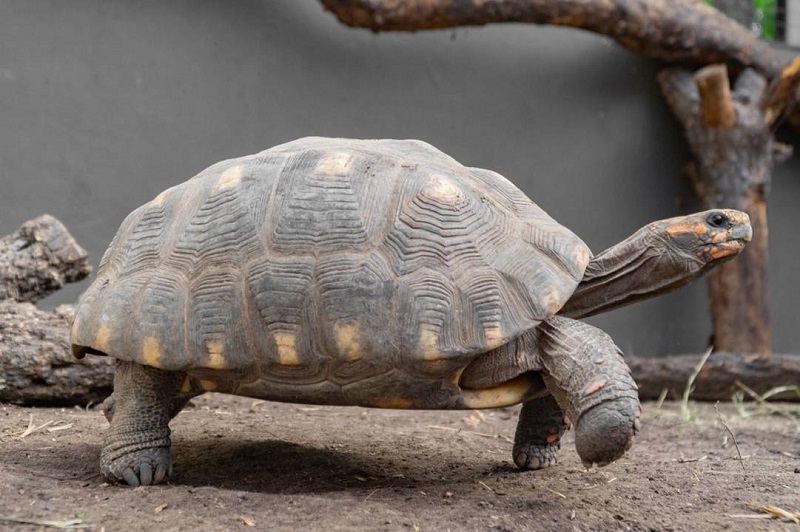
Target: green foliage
765,13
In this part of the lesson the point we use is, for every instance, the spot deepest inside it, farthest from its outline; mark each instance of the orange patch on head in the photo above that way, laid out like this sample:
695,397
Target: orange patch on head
720,252
687,227
594,386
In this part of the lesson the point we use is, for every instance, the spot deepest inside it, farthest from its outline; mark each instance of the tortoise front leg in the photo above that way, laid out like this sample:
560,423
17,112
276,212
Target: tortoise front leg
585,372
539,430
136,448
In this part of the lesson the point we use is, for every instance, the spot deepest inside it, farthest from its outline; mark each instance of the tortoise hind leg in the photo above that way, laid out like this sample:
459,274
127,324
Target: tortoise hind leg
539,430
136,447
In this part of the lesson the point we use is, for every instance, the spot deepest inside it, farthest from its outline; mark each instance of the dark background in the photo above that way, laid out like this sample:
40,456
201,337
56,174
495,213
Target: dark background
103,104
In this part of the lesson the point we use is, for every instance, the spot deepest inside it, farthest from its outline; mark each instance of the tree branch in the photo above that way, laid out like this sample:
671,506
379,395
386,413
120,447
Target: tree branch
671,30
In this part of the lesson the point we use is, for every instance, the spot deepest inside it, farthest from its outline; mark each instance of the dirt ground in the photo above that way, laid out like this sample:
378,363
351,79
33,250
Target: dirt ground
242,464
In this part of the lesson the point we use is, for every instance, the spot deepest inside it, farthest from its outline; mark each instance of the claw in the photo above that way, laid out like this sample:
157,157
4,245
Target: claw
535,457
130,477
146,474
161,474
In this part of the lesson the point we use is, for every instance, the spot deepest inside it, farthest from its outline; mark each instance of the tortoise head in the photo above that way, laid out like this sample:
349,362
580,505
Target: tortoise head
713,236
659,258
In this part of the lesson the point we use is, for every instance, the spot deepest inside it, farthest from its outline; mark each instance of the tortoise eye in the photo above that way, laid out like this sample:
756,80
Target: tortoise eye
718,220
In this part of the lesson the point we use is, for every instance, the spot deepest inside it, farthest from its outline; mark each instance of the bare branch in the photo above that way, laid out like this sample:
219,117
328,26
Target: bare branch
672,30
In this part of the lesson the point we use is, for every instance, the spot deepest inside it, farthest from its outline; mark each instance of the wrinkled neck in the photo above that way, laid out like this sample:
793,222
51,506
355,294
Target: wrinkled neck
639,267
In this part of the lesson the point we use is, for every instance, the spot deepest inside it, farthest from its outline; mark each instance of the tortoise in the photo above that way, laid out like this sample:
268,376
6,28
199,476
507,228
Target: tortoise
377,273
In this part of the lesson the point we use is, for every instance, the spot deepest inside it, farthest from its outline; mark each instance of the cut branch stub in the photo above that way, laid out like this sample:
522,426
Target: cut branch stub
715,96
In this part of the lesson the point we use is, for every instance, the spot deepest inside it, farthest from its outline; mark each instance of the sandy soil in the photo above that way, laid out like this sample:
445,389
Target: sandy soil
251,465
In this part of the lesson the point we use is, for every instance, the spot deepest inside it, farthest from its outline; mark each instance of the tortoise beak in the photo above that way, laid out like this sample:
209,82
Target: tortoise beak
729,233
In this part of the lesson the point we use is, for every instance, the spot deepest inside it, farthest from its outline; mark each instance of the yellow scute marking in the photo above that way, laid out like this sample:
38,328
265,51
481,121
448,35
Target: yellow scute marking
101,339
229,178
158,200
287,349
150,351
208,385
347,341
186,385
216,358
494,336
395,402
443,191
429,345
582,258
335,164
552,301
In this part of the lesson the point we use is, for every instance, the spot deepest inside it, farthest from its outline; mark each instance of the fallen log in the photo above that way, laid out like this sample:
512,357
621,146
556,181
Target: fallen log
39,258
36,362
721,376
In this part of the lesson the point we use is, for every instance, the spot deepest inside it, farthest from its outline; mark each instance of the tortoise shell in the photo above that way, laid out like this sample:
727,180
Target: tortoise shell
332,271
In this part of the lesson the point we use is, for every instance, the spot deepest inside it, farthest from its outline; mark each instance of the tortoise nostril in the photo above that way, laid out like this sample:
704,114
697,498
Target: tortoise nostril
718,220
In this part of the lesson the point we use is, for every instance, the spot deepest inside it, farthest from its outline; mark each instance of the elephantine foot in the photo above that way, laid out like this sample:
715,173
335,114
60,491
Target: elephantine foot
604,433
138,468
136,449
539,430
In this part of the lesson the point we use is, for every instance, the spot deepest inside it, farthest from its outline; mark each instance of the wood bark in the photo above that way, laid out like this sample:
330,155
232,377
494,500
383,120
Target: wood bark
36,362
685,31
718,380
39,258
734,153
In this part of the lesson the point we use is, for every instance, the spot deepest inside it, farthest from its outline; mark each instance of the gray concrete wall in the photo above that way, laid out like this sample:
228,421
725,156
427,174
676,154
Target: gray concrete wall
106,103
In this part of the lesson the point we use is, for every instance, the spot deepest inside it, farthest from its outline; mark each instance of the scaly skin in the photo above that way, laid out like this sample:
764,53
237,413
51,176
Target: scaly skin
539,430
136,448
585,372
